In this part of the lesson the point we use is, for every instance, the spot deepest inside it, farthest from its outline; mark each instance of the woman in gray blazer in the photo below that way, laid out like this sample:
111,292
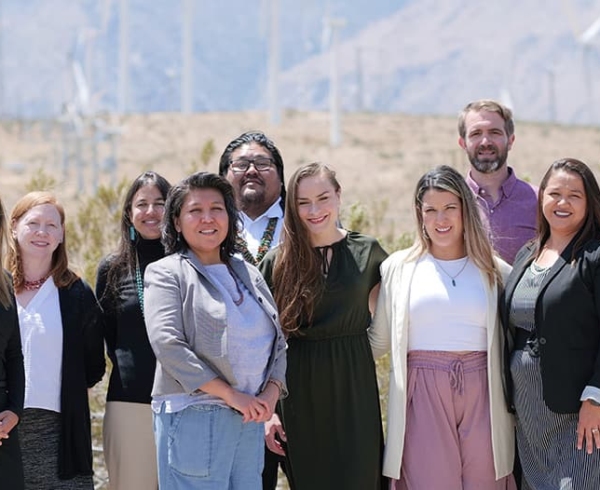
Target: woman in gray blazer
220,352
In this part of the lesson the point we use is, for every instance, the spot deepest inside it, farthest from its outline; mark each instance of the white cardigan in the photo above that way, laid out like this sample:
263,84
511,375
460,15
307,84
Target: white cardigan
390,329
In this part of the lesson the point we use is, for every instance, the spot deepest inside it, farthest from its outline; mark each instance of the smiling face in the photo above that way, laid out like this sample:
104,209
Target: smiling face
564,203
486,142
318,204
147,209
204,223
441,212
255,191
39,232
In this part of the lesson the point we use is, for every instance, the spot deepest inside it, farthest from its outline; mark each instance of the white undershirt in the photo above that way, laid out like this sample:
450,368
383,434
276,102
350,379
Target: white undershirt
444,317
253,230
42,337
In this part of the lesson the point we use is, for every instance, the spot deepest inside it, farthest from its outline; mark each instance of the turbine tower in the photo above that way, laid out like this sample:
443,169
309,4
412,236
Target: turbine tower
123,82
332,27
187,55
585,39
274,63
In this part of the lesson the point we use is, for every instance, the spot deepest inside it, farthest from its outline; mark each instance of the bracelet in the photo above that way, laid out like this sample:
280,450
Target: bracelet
279,384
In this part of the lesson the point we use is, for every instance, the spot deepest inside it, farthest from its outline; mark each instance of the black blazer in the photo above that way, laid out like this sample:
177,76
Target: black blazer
83,365
567,320
12,372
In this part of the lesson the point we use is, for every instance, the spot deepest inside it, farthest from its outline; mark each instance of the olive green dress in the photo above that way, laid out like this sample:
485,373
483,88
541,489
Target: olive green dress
332,416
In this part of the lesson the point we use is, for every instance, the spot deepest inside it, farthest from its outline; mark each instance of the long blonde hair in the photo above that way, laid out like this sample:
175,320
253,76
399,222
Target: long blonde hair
477,244
59,270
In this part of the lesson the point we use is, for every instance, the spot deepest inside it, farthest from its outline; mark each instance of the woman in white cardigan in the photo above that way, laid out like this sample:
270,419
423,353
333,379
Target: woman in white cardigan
448,426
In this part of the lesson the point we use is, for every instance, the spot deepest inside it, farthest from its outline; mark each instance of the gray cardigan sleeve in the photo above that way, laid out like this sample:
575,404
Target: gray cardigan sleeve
163,311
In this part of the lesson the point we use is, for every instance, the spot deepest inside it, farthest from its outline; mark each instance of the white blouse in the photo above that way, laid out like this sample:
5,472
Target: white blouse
42,338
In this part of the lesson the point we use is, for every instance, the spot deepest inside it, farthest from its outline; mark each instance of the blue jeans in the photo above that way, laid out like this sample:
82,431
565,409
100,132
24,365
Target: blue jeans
208,447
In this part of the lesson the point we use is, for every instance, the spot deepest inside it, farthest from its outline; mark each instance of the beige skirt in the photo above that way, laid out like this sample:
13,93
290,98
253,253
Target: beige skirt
129,448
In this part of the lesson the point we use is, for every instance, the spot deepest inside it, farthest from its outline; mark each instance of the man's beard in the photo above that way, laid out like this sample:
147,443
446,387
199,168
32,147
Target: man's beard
252,197
485,165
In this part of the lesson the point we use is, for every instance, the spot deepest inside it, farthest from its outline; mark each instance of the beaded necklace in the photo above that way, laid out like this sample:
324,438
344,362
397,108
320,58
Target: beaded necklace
139,283
263,247
34,285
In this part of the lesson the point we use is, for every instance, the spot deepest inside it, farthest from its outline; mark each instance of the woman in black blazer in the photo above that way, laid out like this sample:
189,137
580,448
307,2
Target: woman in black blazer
12,379
551,311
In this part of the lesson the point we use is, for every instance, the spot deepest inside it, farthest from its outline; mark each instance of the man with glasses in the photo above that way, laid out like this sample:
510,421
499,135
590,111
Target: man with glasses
254,167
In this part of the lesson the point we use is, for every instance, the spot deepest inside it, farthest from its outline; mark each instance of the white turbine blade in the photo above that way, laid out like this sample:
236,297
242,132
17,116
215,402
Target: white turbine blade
83,93
590,33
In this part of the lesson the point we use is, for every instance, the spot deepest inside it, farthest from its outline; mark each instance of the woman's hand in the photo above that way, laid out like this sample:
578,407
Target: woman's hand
8,420
274,434
252,408
270,395
588,427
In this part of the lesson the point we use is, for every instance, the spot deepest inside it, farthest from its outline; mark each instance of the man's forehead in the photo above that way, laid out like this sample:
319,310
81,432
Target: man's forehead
476,119
252,148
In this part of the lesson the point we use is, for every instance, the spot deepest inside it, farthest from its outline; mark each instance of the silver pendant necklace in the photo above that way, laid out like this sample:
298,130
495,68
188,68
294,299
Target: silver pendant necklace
452,277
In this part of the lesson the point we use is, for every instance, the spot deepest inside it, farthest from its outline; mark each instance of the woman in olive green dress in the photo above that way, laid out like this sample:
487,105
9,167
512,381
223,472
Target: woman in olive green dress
325,280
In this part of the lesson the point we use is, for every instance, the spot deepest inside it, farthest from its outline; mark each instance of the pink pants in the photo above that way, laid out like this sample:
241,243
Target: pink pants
448,445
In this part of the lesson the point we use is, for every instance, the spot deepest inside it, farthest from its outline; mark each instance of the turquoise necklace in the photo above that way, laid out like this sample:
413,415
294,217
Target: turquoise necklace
139,282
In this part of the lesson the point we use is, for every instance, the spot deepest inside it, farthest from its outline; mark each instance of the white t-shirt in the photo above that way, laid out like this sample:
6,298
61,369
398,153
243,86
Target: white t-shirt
443,316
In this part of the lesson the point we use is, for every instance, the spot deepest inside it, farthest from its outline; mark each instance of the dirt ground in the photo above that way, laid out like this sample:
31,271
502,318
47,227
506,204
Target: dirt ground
378,162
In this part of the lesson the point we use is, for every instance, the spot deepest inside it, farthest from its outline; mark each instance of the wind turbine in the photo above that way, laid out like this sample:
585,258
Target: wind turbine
331,37
585,40
123,80
187,55
274,62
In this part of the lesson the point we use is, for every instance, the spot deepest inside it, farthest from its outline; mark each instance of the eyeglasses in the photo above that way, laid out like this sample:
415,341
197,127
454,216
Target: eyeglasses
261,164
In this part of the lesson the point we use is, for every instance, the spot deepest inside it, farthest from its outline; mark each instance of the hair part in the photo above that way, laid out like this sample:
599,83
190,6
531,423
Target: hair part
591,225
476,242
59,268
261,139
486,105
122,262
297,276
174,241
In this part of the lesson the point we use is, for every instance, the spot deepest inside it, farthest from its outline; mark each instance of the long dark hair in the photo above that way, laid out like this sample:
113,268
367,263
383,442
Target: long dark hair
297,278
174,241
591,225
122,262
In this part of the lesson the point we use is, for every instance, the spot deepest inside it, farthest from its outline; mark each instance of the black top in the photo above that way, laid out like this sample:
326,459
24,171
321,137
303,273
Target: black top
567,315
125,333
12,373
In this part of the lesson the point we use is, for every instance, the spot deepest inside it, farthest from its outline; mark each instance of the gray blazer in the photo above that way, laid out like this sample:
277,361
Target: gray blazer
186,319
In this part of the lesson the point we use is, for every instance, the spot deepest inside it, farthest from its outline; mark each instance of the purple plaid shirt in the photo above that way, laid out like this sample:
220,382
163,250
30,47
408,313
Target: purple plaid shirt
512,219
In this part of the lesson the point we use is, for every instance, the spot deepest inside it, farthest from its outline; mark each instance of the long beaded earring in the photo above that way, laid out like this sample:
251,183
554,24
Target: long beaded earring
132,233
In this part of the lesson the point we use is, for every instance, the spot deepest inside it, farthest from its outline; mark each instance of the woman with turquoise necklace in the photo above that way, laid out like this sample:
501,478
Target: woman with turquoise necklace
128,437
